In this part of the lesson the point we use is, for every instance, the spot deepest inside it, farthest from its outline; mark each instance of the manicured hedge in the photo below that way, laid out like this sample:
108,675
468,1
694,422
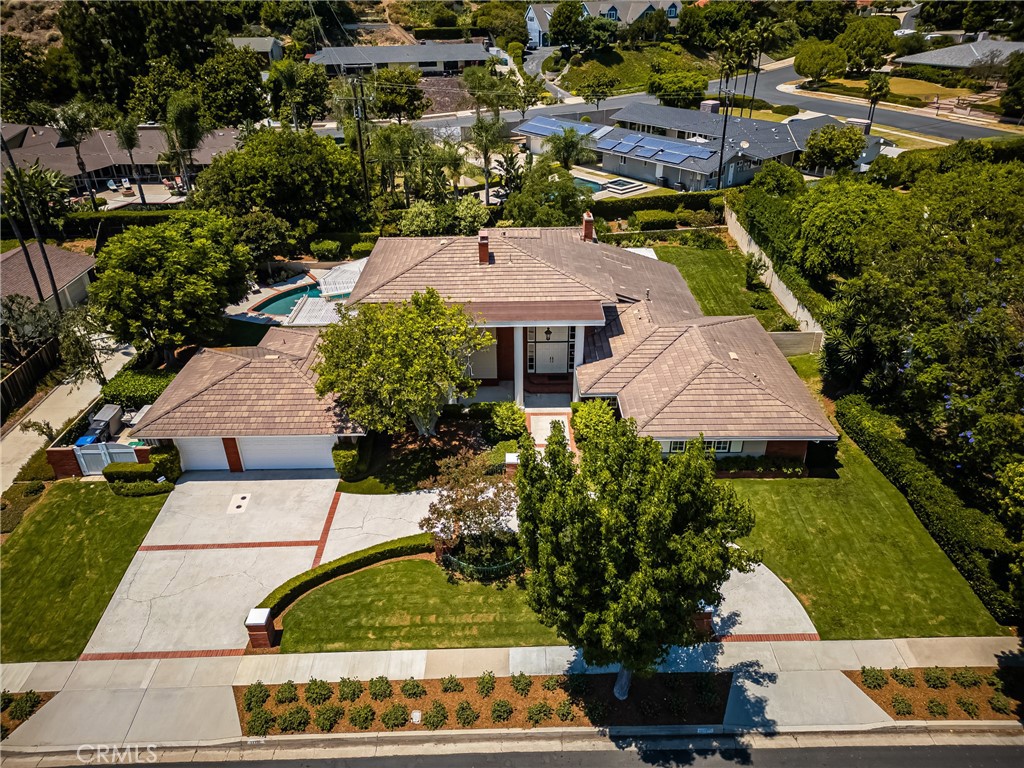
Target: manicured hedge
167,462
129,472
84,223
646,221
296,587
976,543
142,488
611,208
133,389
449,33
348,240
699,238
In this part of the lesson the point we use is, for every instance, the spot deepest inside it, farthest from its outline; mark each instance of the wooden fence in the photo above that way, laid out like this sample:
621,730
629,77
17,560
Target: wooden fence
20,384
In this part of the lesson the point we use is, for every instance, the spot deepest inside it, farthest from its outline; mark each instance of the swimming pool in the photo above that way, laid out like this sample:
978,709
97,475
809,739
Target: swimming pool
284,303
593,186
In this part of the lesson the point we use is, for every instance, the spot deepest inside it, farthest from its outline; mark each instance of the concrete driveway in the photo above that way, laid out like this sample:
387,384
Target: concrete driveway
223,541
758,605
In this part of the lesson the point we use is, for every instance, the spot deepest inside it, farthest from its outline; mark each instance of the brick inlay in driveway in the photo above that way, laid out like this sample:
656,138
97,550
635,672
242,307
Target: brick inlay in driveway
227,545
326,531
162,655
767,638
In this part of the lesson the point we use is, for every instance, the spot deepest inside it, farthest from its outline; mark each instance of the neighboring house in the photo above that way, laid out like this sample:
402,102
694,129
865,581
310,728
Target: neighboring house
101,155
248,408
980,54
680,148
538,15
72,272
429,58
571,315
269,47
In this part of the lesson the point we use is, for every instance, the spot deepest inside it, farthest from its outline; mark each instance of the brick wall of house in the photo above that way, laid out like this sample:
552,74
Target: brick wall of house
64,462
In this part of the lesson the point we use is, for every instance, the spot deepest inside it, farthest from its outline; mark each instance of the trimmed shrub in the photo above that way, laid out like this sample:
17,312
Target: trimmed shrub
614,208
16,501
539,713
23,706
522,683
325,250
564,711
380,688
648,220
256,695
84,223
1000,704
128,472
294,719
362,717
786,109
6,697
166,461
451,684
501,711
936,708
901,705
436,716
485,684
873,678
596,711
413,689
395,716
903,676
969,707
260,723
318,692
971,539
465,715
361,250
508,421
328,716
936,677
142,488
346,457
349,689
133,389
286,693
994,681
577,684
550,684
966,678
591,418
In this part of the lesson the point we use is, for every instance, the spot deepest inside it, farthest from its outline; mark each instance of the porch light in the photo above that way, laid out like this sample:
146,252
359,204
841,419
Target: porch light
547,334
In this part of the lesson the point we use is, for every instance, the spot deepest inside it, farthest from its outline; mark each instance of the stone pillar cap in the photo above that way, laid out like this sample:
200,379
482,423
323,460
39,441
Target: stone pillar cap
258,617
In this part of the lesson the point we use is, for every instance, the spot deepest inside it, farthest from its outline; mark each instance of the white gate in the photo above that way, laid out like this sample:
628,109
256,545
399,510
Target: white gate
93,458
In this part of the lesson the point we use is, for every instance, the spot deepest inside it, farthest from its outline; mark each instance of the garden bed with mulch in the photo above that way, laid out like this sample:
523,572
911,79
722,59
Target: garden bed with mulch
19,707
519,701
937,693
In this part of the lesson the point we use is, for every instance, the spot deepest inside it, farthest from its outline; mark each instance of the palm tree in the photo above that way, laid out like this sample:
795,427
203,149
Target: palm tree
487,140
569,148
185,125
126,132
763,35
452,162
747,51
386,152
724,46
287,72
878,89
74,122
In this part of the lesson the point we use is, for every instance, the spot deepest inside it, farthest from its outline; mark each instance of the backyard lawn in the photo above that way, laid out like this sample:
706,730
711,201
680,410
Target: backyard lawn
852,550
410,604
61,566
717,280
632,69
906,86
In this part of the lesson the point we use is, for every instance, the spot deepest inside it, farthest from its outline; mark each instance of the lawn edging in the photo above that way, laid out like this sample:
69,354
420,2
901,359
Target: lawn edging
286,594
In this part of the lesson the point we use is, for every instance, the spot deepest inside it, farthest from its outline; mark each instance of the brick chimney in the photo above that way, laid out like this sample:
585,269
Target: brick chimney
587,235
483,245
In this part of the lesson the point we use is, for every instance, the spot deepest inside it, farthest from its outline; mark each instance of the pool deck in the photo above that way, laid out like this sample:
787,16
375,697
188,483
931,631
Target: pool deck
243,310
599,177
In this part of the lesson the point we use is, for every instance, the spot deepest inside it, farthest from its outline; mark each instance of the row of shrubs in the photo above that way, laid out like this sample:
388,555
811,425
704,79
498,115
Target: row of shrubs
903,707
615,208
938,678
158,475
698,238
976,543
333,246
949,78
759,464
448,33
649,220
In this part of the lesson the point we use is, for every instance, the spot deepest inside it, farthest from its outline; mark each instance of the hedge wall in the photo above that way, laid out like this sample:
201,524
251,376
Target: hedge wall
296,587
133,389
448,33
84,223
975,543
611,208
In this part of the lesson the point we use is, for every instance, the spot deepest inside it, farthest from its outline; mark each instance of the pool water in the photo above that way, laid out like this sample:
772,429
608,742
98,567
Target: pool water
284,303
593,186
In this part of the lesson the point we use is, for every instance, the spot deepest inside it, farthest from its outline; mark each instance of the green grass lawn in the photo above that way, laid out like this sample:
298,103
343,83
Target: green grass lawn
632,69
851,548
410,604
717,279
61,566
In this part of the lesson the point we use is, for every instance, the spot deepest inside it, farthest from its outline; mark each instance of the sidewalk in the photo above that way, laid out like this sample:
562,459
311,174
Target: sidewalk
777,687
63,403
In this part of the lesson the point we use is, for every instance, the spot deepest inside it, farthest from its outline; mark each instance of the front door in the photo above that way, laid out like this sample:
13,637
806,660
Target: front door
553,357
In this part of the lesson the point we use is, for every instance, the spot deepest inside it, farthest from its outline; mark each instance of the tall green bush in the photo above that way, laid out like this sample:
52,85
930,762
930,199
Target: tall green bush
133,389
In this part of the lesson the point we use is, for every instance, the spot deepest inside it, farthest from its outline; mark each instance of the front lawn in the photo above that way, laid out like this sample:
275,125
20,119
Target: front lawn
62,565
632,69
855,554
717,280
411,604
906,86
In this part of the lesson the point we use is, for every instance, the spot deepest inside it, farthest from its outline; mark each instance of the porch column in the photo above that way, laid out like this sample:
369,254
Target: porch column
577,360
519,363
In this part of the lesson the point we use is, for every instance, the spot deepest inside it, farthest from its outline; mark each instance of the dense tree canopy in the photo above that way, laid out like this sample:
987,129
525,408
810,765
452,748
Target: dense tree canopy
567,25
678,88
867,41
820,61
21,79
397,95
549,198
834,147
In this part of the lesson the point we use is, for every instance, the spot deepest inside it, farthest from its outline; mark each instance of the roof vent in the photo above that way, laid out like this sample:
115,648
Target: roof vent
734,356
271,357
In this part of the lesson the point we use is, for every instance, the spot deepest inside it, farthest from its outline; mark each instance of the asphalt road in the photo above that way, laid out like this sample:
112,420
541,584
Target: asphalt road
766,89
835,757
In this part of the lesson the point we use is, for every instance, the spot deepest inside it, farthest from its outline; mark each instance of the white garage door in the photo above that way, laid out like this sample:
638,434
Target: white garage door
312,452
202,453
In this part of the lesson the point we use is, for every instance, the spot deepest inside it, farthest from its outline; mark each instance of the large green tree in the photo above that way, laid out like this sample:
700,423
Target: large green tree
548,198
396,94
569,148
867,40
298,92
834,147
678,88
567,25
623,548
307,180
21,79
230,87
398,362
161,286
487,139
595,87
75,122
820,61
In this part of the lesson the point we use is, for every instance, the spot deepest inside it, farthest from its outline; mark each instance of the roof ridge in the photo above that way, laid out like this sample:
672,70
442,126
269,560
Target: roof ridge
441,243
675,394
636,348
559,270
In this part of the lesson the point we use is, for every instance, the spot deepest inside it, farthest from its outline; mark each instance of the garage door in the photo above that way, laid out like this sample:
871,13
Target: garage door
202,453
312,452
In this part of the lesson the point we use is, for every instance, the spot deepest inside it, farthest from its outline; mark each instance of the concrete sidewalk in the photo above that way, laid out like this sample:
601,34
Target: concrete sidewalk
777,686
63,403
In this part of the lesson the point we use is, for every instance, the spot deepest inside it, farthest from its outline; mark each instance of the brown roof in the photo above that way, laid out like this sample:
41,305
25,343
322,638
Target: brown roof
67,266
529,266
720,376
238,391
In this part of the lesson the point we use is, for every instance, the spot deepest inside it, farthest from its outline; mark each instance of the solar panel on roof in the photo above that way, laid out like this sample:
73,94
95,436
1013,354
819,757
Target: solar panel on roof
671,157
625,146
607,143
633,138
647,151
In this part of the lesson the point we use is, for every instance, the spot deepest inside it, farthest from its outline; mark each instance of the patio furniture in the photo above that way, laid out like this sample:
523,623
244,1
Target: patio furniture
112,186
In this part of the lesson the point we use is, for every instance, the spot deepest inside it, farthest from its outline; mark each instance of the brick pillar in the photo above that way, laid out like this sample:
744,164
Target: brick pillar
261,630
231,451
511,464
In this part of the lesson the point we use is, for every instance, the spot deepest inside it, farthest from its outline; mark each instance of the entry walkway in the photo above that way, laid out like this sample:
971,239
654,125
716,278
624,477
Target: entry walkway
777,686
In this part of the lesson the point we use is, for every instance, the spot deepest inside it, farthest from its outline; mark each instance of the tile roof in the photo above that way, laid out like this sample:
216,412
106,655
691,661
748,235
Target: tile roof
67,267
237,391
720,376
258,44
374,55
